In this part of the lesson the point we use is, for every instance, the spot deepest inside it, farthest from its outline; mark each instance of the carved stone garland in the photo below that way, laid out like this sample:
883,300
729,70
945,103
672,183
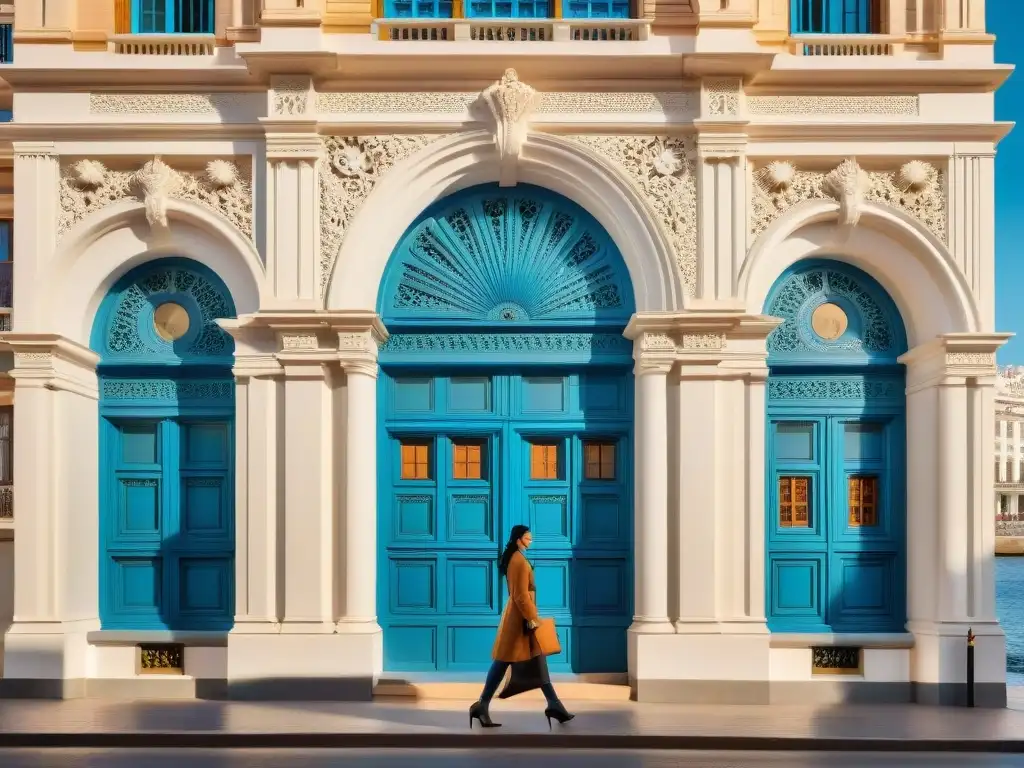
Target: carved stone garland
351,168
916,188
87,186
663,170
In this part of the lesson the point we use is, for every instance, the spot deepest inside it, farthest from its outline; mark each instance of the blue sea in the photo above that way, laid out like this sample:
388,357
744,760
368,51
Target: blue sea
1010,609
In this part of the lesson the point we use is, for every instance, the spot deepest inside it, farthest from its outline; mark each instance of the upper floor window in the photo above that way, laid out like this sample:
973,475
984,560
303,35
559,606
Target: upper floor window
834,17
173,17
6,43
508,9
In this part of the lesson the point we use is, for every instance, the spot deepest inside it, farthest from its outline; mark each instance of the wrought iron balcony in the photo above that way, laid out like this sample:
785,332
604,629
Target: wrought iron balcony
6,502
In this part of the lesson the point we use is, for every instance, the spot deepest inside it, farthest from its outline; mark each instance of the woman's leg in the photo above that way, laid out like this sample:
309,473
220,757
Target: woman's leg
494,677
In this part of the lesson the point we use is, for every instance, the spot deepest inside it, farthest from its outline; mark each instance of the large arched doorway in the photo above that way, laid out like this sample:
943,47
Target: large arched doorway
506,397
836,454
166,450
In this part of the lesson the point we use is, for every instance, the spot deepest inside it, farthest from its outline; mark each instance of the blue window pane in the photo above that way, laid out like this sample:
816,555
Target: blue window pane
6,115
851,17
6,43
173,16
5,241
418,9
596,9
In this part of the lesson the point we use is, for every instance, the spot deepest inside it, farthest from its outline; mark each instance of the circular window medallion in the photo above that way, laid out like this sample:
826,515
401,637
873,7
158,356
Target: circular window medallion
170,321
829,321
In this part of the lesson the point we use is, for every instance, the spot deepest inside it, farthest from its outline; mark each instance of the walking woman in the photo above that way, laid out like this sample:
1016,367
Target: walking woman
515,642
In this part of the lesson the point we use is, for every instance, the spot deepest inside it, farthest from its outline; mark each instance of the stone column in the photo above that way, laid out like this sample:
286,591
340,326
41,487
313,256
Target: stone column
294,271
259,506
951,584
654,354
37,176
358,354
721,204
56,546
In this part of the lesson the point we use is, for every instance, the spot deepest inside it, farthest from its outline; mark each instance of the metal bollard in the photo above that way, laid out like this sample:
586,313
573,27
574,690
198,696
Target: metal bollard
970,666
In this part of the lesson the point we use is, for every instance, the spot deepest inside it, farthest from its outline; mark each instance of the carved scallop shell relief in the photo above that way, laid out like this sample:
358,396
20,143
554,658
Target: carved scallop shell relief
917,188
223,186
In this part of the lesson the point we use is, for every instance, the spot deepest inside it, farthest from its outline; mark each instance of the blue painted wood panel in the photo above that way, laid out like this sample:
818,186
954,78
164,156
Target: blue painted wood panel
836,414
168,533
440,596
166,449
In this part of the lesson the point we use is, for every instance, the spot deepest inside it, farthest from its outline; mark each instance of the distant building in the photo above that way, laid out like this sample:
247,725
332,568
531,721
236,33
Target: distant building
1009,447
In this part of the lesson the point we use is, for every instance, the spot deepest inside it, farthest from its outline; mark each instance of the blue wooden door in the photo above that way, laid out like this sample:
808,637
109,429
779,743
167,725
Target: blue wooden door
467,457
168,531
836,517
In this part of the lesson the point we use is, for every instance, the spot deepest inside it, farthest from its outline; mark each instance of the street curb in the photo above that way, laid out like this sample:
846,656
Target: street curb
507,740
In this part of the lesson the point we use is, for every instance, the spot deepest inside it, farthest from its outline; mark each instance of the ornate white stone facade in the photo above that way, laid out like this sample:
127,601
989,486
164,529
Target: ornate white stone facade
292,168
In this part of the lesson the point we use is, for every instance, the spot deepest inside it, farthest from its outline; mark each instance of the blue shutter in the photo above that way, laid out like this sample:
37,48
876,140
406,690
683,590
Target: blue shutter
173,17
834,17
596,9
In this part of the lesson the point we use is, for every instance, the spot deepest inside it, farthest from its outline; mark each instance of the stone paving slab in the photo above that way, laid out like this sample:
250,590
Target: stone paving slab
86,723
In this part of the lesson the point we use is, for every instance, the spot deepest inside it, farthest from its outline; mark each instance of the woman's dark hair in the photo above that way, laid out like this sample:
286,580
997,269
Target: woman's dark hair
518,531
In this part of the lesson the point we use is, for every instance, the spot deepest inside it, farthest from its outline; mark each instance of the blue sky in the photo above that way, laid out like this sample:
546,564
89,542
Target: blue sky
1004,17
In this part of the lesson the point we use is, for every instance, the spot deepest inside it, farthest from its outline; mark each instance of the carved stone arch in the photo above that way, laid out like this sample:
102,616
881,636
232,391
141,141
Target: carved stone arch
101,248
910,263
469,159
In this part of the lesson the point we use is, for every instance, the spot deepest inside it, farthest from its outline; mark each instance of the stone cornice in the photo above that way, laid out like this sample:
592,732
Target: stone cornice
952,358
52,361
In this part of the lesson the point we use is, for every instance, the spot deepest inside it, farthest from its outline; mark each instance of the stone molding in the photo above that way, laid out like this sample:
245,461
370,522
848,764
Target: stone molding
953,359
50,361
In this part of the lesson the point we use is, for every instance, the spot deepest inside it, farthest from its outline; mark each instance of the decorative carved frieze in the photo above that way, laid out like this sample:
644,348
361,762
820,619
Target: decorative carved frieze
293,342
164,103
512,104
292,96
702,341
846,106
972,359
721,98
351,168
364,342
677,104
663,170
650,342
223,186
917,188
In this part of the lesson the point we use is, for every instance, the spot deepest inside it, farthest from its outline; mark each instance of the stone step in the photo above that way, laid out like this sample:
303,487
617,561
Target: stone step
569,690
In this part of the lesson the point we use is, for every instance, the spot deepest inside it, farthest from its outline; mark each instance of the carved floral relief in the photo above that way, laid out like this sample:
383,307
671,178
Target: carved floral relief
663,170
224,186
351,168
917,188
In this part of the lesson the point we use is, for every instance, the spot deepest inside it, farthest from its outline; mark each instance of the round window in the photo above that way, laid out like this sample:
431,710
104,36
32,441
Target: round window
829,321
170,321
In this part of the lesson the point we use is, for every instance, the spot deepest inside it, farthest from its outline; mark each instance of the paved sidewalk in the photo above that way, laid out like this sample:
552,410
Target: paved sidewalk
86,723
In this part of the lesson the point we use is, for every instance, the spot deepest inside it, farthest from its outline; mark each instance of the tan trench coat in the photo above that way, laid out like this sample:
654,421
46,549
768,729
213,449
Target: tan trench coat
512,644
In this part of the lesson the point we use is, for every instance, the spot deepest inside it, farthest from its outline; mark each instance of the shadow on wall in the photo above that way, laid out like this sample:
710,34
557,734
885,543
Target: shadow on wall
6,592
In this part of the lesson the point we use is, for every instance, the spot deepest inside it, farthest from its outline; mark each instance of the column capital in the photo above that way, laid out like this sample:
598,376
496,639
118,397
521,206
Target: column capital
716,147
34,149
52,361
953,358
292,140
256,366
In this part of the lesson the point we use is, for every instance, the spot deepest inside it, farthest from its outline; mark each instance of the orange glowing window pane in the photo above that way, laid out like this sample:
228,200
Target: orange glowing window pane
599,461
794,502
467,460
415,461
544,461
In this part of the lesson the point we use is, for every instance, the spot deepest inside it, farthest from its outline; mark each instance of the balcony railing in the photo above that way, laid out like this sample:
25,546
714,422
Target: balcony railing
6,502
164,45
6,43
844,45
514,30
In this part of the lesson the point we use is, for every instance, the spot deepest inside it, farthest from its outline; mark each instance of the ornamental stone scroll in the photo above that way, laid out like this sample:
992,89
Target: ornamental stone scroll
511,103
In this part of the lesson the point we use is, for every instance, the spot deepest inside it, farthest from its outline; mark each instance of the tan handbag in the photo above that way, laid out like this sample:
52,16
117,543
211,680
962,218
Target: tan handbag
547,637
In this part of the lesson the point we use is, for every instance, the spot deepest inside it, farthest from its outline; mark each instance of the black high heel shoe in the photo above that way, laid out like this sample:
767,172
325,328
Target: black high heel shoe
478,711
559,713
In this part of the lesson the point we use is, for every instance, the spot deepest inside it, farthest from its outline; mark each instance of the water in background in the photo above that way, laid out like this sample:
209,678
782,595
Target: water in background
1010,610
